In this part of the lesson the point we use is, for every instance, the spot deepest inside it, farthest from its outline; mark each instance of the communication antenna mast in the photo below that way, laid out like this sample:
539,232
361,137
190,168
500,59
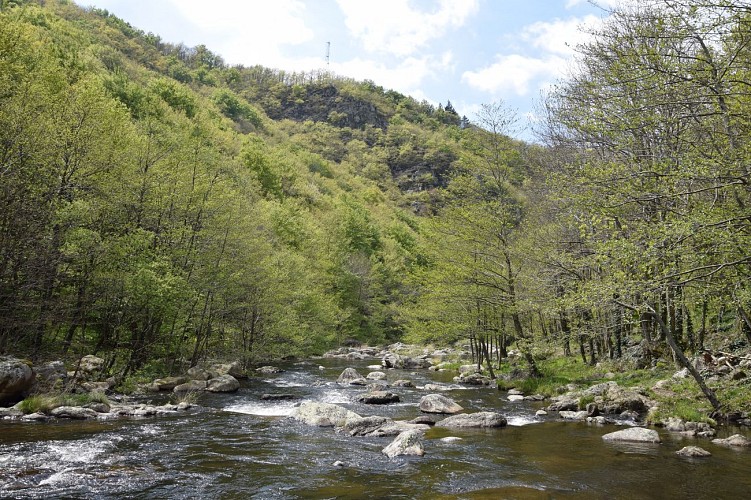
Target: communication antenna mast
328,53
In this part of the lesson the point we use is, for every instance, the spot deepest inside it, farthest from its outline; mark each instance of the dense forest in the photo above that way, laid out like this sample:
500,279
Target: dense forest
160,207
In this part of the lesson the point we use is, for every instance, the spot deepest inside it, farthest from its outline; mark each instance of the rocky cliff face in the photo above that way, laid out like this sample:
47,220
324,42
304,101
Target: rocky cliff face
326,103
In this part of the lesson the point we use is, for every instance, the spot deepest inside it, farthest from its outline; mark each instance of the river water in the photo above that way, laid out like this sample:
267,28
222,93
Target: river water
238,446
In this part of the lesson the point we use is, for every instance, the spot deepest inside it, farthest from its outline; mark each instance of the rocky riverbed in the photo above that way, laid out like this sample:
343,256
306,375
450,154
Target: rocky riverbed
297,430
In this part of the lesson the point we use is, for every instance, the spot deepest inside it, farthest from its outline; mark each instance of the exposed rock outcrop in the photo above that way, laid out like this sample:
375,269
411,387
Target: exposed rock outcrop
406,443
438,403
323,414
479,419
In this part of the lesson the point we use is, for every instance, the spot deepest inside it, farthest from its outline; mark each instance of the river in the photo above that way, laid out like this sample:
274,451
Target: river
237,446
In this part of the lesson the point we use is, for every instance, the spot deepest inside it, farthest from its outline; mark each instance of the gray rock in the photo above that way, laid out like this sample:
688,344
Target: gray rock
10,413
95,386
392,360
599,420
90,364
634,434
169,383
191,386
73,412
473,379
348,375
224,383
479,419
376,376
406,443
437,403
573,415
377,385
16,380
323,414
540,413
35,417
693,451
736,440
467,369
515,397
359,381
235,369
378,398
564,403
365,426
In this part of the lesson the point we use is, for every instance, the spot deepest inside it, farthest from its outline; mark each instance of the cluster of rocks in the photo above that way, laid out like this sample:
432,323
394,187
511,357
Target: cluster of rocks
216,378
101,411
601,403
408,435
437,410
395,356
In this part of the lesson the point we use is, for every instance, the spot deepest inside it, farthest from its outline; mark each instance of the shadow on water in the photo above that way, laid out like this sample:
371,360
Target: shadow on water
239,446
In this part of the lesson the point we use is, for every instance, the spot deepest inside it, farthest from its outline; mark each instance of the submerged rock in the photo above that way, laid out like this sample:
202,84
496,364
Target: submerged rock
278,397
736,440
323,414
634,434
693,451
479,419
406,443
437,403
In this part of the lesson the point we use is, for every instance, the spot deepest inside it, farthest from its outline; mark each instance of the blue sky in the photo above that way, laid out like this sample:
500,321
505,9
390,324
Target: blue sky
467,51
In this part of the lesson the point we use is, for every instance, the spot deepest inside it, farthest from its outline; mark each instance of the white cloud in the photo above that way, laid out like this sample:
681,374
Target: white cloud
255,32
560,36
394,27
515,73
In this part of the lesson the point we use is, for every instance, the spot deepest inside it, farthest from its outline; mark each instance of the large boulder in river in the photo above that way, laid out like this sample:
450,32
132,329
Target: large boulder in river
378,398
438,403
323,414
634,434
406,443
479,419
348,375
16,379
224,383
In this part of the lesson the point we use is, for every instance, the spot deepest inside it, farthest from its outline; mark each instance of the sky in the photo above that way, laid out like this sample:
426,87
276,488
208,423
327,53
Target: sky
469,52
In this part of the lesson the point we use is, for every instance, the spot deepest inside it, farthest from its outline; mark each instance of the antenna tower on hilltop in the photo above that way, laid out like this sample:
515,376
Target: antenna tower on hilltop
328,53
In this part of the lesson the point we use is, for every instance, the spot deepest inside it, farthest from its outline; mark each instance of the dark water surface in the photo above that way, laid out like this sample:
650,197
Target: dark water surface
238,446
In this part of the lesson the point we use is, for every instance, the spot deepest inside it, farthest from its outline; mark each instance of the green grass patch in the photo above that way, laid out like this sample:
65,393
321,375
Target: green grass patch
44,403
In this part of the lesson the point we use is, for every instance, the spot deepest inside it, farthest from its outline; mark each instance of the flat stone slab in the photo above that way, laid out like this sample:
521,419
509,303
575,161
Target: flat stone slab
634,435
482,419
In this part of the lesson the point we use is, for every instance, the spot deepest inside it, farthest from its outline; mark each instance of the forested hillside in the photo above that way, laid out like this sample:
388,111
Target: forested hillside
160,206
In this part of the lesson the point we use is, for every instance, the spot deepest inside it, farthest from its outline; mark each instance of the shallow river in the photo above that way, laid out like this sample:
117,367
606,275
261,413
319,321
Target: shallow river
238,446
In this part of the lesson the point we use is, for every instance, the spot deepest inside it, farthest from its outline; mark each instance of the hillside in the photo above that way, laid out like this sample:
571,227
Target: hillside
161,205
